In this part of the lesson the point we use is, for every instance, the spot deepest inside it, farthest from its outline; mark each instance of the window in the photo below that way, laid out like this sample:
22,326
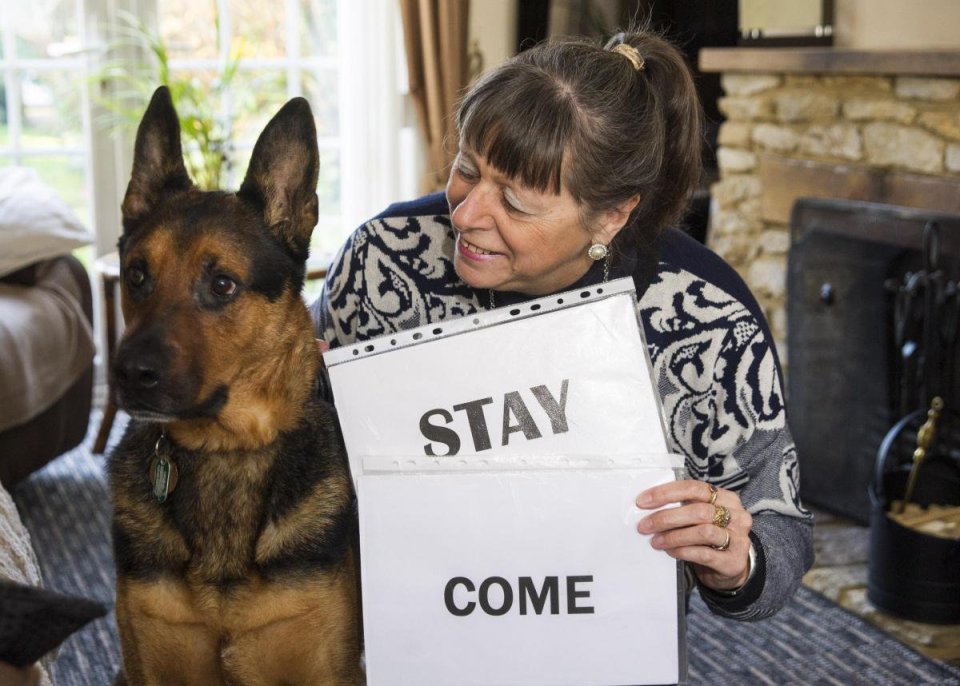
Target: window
300,48
342,55
44,110
282,49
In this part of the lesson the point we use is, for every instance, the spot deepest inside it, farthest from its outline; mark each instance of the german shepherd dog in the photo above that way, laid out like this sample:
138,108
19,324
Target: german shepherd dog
234,515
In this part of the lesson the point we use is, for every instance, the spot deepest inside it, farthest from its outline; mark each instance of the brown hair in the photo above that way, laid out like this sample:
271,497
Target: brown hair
575,110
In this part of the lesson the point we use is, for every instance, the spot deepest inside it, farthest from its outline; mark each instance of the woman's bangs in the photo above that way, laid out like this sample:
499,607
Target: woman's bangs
521,140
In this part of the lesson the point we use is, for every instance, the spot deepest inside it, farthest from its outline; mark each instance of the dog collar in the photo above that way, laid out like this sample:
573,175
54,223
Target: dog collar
163,471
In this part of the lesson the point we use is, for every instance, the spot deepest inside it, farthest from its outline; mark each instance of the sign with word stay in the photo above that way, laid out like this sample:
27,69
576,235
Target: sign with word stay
567,375
497,459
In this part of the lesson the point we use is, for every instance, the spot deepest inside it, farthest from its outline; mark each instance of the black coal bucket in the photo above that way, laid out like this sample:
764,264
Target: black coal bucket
912,574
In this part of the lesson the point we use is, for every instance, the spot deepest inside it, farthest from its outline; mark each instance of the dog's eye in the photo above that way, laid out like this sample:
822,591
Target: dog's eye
223,286
135,276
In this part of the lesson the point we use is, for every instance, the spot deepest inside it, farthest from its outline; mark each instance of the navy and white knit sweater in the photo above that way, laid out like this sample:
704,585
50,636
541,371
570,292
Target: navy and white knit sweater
715,368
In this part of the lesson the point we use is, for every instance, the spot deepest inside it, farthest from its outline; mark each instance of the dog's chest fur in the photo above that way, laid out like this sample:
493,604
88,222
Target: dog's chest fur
264,514
221,510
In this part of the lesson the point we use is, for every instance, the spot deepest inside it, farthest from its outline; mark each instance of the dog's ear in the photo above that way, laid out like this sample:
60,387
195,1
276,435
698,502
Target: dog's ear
282,176
157,160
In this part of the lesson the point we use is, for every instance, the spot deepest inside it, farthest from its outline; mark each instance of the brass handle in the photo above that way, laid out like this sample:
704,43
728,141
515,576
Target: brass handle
925,437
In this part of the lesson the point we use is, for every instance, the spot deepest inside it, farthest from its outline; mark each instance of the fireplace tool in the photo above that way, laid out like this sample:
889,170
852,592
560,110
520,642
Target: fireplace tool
914,563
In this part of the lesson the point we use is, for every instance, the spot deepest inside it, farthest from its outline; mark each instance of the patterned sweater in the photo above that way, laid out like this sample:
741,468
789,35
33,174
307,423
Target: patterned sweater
716,371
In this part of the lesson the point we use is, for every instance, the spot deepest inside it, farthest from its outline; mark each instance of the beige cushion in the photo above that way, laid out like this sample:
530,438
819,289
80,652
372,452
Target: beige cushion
35,222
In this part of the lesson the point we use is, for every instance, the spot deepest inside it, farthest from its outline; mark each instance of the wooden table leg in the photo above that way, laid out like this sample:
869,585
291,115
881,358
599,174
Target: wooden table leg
110,410
106,423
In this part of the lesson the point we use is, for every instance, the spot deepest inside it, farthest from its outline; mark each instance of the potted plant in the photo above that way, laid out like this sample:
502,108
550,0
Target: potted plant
137,63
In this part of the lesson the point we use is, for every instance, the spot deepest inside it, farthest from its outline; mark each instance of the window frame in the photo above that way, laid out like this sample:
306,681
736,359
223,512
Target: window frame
379,152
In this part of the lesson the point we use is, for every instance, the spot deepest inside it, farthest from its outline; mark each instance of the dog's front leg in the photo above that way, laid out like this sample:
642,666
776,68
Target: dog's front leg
306,636
164,640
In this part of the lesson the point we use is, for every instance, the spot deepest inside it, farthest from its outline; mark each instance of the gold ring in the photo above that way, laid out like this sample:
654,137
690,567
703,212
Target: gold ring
721,516
726,544
713,494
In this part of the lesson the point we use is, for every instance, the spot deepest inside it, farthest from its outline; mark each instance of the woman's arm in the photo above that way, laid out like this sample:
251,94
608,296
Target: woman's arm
727,416
782,532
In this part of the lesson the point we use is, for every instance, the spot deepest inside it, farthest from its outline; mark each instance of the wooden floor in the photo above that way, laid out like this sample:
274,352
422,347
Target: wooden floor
840,573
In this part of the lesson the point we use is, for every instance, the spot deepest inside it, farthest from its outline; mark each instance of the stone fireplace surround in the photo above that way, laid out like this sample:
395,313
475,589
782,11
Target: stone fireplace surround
882,126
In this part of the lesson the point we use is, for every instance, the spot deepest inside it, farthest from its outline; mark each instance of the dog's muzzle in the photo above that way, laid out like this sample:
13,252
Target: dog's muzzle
146,383
141,377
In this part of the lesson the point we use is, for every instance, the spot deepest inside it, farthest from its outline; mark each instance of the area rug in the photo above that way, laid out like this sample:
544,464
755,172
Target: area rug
811,641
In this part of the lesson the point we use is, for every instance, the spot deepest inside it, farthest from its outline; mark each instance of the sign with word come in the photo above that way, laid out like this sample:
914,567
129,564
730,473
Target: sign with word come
497,458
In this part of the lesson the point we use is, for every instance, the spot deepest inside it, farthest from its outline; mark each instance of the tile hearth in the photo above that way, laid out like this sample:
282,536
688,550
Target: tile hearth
840,573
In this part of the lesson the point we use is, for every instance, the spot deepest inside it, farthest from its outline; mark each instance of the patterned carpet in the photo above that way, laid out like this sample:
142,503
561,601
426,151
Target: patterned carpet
811,641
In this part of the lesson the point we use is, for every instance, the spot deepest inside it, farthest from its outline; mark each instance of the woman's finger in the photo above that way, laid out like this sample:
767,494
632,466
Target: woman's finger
688,490
674,492
701,535
692,514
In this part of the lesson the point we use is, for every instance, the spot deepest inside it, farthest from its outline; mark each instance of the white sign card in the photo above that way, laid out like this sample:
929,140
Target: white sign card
567,375
561,590
497,459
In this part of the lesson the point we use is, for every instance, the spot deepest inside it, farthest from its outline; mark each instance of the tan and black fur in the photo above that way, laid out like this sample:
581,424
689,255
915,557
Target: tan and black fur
247,572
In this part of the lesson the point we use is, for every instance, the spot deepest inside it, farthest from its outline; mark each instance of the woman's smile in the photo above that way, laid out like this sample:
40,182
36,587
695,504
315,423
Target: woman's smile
471,251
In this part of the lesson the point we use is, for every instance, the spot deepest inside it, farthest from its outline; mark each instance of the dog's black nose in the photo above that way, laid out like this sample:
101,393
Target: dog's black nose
136,369
137,375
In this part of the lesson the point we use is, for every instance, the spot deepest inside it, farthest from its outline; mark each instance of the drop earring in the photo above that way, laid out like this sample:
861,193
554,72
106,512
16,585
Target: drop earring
597,252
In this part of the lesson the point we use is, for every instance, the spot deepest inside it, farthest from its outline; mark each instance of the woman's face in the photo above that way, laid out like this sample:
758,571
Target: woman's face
511,237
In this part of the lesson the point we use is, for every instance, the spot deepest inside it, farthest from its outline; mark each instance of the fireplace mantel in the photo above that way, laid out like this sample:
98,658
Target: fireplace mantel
831,61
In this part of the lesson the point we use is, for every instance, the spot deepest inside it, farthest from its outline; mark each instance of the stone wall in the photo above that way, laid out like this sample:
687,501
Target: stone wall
904,126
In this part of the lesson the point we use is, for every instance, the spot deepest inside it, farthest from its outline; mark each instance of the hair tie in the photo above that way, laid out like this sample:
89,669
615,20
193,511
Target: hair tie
631,54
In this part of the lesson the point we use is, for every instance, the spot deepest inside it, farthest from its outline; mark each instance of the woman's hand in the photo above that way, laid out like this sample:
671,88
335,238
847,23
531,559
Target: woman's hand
698,531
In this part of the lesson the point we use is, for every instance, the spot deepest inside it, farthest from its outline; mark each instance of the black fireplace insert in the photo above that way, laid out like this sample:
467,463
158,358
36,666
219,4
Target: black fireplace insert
855,337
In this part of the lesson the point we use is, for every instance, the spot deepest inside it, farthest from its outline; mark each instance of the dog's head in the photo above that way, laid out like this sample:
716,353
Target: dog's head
217,336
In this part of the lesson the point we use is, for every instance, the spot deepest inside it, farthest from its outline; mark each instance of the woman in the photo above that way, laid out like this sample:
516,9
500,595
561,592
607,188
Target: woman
574,159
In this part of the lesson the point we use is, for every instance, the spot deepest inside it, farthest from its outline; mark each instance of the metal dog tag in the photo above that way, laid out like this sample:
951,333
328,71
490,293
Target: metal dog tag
163,476
163,473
